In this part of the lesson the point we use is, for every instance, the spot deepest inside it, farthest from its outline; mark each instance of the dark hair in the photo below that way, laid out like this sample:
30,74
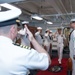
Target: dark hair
46,31
72,22
59,29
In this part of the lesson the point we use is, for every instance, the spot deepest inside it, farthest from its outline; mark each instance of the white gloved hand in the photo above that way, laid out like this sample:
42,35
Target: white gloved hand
30,35
22,31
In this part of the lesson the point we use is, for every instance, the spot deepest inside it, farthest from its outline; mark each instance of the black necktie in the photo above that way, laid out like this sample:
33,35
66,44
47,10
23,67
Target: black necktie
70,35
50,37
41,36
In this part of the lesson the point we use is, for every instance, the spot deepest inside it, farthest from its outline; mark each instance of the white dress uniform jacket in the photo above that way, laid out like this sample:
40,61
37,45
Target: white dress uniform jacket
39,38
72,44
60,45
23,36
60,39
72,50
15,60
25,40
47,41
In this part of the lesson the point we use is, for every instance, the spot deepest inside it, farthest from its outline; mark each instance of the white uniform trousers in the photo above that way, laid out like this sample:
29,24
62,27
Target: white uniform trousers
47,44
48,48
60,51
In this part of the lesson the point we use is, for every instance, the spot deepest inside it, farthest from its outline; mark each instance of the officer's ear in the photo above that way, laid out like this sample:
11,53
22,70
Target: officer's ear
12,29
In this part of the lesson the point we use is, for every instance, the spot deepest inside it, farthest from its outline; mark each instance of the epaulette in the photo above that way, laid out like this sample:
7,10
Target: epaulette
22,46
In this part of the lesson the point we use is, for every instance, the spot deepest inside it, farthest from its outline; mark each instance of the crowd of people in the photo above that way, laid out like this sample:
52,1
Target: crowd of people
46,41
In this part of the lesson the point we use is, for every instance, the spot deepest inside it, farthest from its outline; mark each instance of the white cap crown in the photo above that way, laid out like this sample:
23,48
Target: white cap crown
39,27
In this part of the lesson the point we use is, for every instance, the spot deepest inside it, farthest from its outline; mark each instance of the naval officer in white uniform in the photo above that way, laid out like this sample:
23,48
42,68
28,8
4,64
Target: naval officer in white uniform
23,35
15,60
60,39
38,36
47,40
72,45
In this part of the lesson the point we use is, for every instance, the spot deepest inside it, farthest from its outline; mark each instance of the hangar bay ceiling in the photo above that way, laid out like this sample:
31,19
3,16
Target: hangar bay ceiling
59,12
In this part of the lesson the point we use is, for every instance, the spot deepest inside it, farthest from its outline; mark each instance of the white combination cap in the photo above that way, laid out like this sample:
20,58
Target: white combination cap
39,27
50,30
47,29
25,22
72,20
9,16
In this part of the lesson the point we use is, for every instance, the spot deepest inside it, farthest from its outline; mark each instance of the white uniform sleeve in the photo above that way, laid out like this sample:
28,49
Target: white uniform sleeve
37,33
37,60
74,38
56,36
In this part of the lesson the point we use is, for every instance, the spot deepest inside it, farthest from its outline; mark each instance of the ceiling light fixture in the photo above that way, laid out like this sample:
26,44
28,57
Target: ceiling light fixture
36,17
25,22
0,7
48,22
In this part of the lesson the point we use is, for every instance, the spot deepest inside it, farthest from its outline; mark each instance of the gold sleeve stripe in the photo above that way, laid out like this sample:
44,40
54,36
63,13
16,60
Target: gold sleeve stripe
23,46
20,45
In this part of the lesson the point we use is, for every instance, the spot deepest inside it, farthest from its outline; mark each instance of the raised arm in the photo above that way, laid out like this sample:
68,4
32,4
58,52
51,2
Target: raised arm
35,43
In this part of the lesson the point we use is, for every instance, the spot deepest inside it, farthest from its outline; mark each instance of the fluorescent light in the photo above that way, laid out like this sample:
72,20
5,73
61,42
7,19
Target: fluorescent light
48,22
37,17
25,22
0,7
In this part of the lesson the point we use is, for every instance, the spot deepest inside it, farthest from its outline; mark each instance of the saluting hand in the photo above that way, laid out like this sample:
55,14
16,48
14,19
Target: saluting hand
30,35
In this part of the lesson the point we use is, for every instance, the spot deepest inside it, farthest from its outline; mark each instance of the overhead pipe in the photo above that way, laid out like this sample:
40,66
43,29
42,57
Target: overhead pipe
63,6
71,5
59,14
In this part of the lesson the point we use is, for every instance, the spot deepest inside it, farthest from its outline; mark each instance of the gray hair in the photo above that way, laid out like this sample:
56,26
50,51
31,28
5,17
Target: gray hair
6,29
